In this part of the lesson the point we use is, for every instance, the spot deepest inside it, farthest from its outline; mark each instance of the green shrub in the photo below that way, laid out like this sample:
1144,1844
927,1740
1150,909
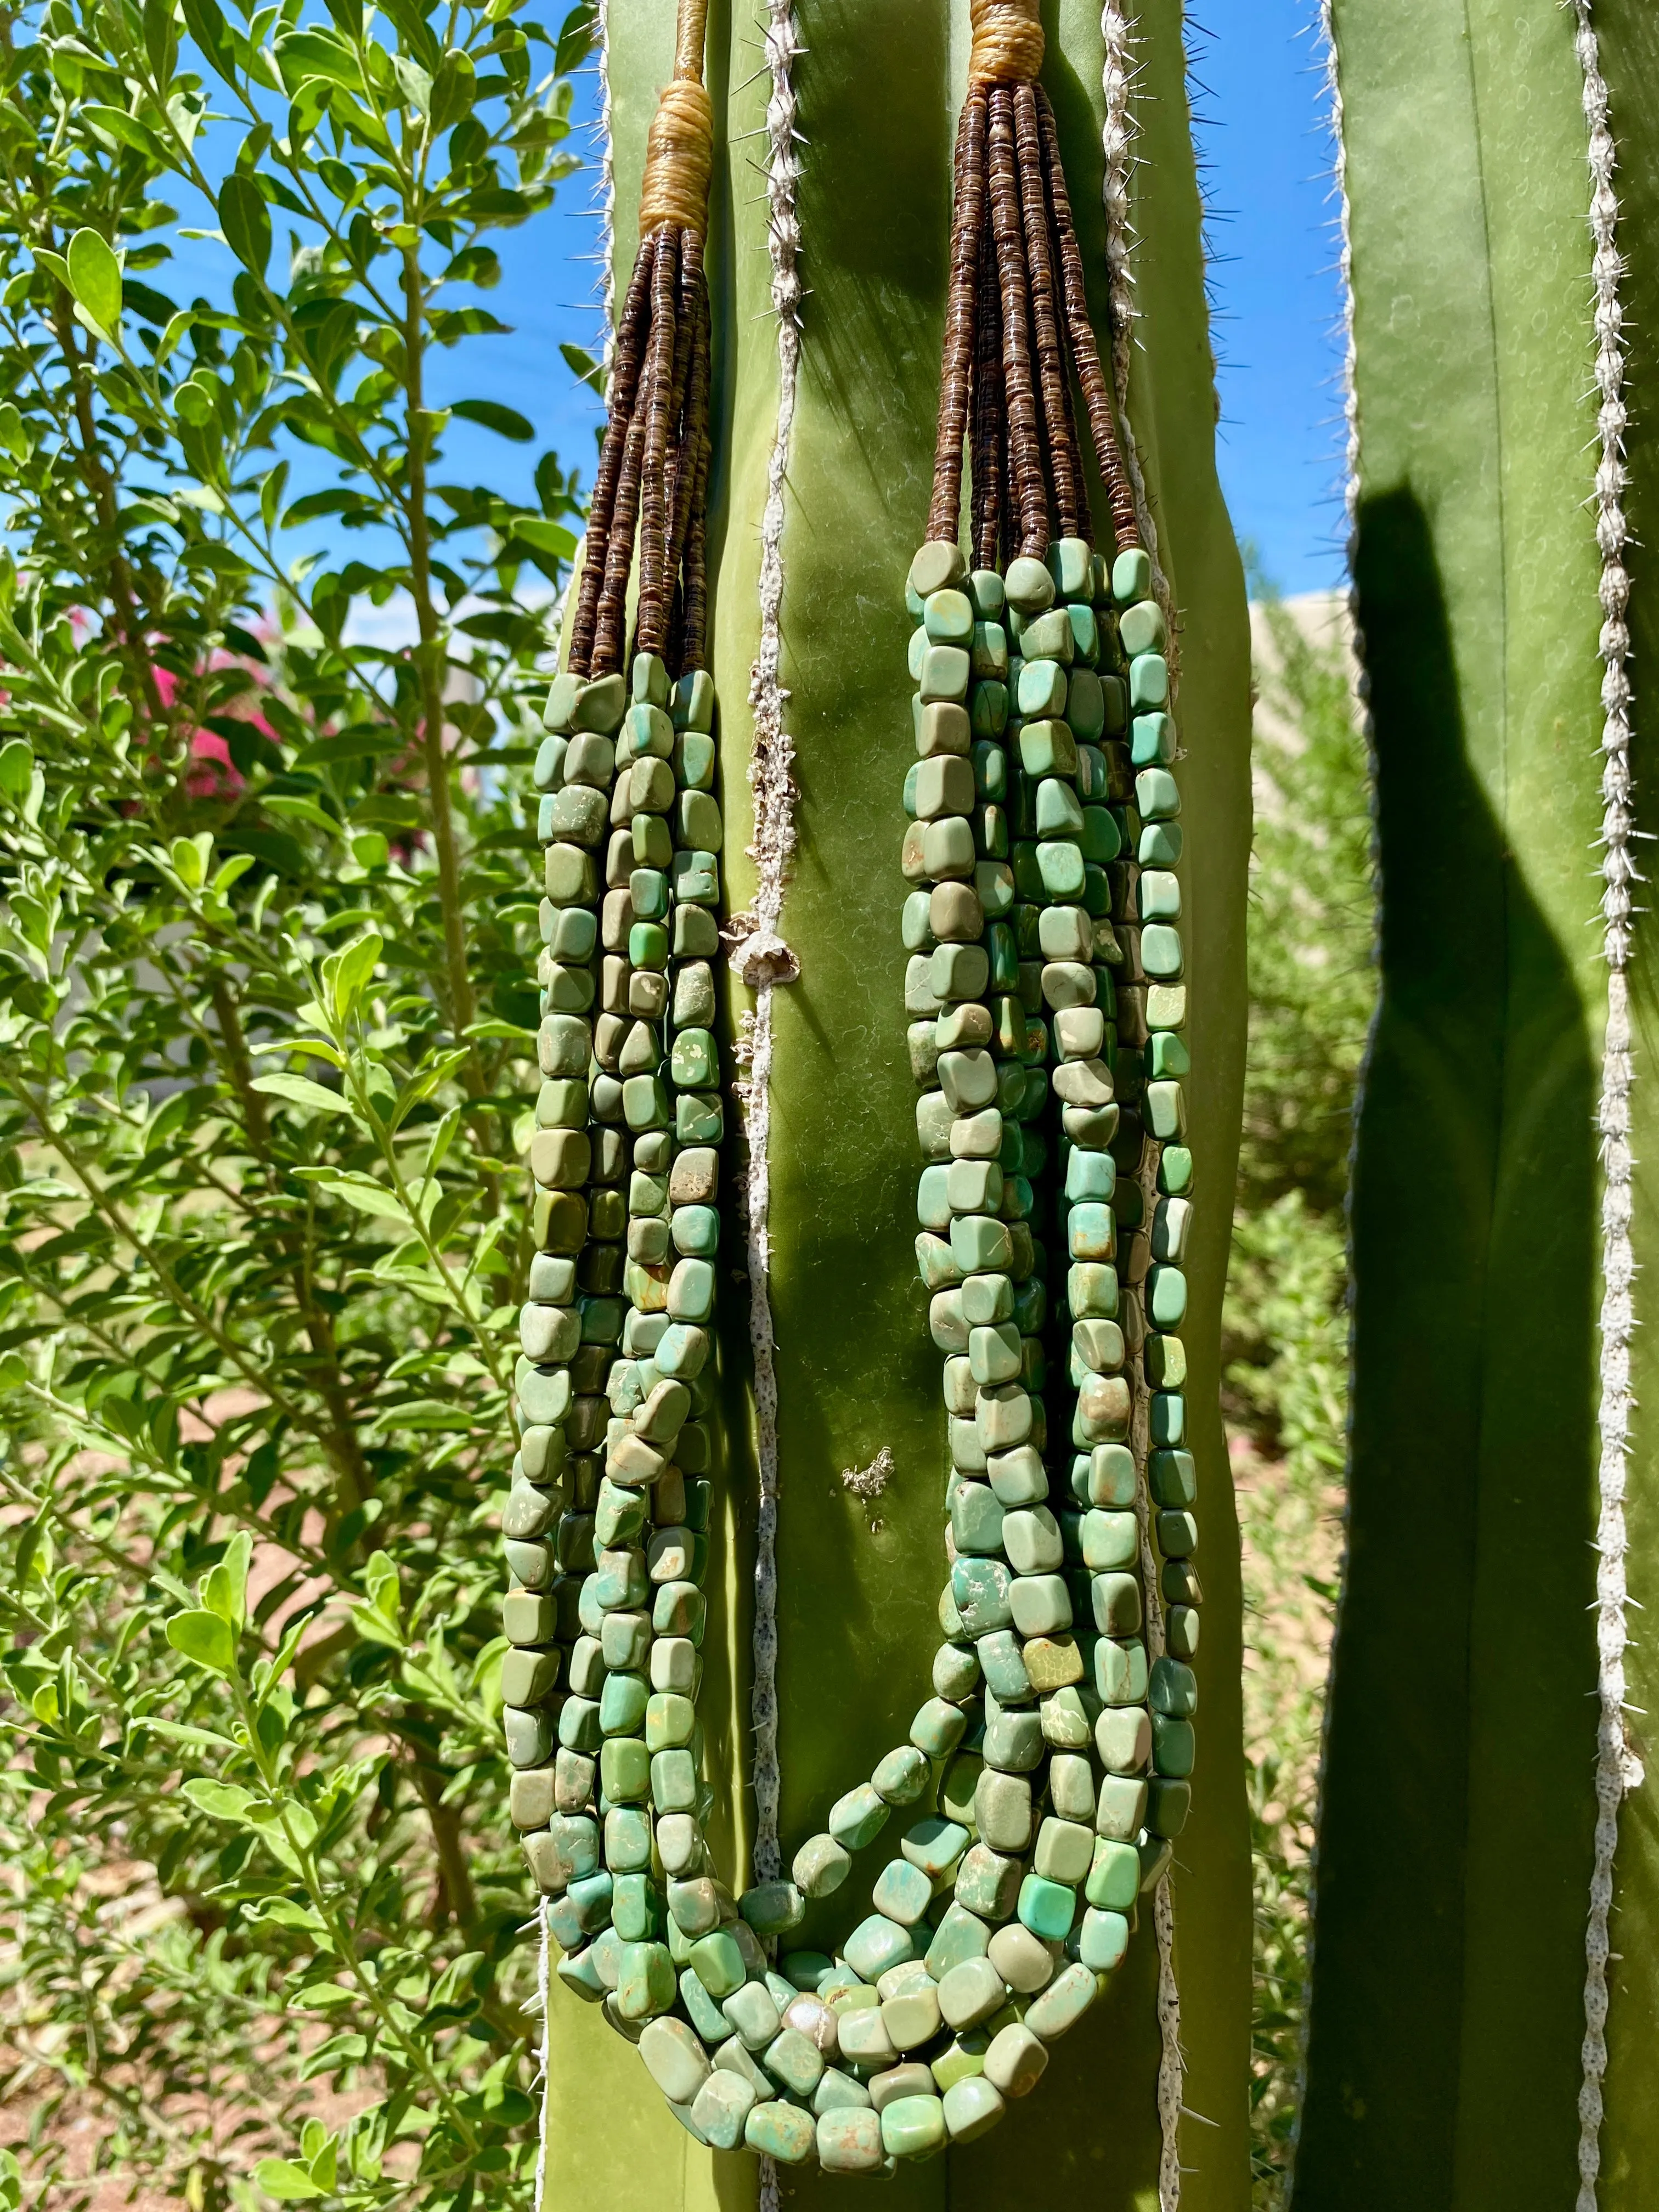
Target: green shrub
267,999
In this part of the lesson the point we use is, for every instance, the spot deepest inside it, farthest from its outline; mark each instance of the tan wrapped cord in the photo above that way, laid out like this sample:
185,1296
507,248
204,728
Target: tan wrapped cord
1007,46
679,158
679,149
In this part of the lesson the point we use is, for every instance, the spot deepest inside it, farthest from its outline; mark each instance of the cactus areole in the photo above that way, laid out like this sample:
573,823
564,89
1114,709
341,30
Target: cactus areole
1045,1774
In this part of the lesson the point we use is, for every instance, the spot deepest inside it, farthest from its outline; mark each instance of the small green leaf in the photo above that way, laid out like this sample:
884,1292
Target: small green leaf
505,422
16,768
453,90
287,2183
245,220
367,1195
353,969
583,366
202,1637
546,537
12,434
300,1091
95,277
576,35
220,1801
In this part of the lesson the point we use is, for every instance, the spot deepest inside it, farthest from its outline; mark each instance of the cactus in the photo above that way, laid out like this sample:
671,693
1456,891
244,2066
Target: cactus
1447,2060
858,1574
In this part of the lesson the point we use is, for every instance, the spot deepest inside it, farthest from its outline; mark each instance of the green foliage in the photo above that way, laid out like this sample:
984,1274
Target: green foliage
1285,1334
267,996
1312,981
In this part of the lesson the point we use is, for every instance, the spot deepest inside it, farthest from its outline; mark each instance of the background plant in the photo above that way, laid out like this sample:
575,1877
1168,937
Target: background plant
1312,985
266,1011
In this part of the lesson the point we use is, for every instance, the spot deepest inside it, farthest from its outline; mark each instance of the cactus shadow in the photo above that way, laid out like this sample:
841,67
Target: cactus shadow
1453,1850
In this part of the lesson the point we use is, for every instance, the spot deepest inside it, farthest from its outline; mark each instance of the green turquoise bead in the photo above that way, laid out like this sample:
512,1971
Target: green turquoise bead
781,2132
675,2060
1122,1805
648,945
1070,562
980,1588
1132,576
1160,845
1168,1804
1063,2003
1157,795
718,1964
1086,699
1120,1672
858,1818
945,671
913,2126
876,1944
722,2107
1003,1665
625,1778
821,1865
987,1882
1060,867
937,1728
693,1061
934,1845
1151,740
1141,629
948,617
961,1935
673,1781
1164,1109
1172,1477
849,2138
1177,1534
1173,1689
706,2015
901,1777
579,1725
1166,1055
1057,813
901,1892
1174,1746
1099,840
1167,1297
1047,747
1114,1876
623,1703
1041,691
1161,950
1064,1852
972,2107
645,1981
1047,1908
1149,681
795,2061
1029,586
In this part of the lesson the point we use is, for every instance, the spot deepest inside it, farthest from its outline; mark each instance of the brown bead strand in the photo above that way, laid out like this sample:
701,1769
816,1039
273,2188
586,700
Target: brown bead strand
1047,316
655,585
1097,395
1025,439
691,413
611,629
631,336
967,213
989,430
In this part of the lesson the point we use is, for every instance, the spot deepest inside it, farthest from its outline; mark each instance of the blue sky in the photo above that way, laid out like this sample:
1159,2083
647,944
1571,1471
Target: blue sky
1260,107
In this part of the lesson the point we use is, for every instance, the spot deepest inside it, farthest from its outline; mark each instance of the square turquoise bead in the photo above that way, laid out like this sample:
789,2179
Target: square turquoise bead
673,1781
622,1702
624,1770
1174,1747
913,2126
1149,683
1047,1908
858,1818
1103,1939
876,1944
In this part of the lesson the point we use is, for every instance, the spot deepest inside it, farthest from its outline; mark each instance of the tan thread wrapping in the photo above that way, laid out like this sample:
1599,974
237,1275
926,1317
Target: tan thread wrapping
1007,45
679,159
